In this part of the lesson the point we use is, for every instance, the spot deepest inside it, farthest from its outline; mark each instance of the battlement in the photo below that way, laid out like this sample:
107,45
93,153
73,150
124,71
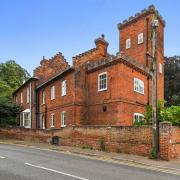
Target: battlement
144,12
99,52
50,67
84,53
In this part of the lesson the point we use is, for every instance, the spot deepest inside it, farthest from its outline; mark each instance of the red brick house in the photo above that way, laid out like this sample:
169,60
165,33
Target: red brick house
99,88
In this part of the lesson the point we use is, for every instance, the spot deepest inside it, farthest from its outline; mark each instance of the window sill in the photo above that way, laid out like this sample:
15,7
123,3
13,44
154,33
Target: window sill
140,43
138,92
63,125
100,90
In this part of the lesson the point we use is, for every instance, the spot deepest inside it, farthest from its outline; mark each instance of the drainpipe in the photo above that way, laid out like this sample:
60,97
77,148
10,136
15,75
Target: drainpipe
37,108
30,101
147,50
147,39
45,116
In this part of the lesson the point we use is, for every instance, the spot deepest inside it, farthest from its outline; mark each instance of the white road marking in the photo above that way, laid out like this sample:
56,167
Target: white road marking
59,172
1,157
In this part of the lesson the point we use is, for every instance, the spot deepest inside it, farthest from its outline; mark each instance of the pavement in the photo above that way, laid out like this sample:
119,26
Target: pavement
33,160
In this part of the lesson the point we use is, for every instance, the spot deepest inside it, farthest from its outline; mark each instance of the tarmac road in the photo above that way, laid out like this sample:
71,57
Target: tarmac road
24,163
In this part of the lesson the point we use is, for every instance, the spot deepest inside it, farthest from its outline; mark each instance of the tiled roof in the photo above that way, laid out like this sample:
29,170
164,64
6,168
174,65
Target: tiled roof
55,77
29,80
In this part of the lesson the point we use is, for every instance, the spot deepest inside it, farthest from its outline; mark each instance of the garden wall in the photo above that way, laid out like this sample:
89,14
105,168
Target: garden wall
176,141
131,140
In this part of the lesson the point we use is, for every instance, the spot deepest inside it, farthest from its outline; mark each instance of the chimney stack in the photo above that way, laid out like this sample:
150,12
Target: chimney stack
101,45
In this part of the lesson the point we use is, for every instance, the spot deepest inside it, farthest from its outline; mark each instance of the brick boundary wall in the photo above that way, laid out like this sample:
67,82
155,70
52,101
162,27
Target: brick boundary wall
169,141
131,140
122,139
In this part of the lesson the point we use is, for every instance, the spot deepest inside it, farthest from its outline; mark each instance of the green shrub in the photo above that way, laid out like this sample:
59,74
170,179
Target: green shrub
102,144
148,115
171,114
152,154
87,146
139,122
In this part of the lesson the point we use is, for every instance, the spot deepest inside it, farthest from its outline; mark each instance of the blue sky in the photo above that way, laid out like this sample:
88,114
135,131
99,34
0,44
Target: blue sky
30,29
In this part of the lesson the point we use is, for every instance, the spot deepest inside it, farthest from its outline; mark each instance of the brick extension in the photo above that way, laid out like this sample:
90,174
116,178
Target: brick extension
83,103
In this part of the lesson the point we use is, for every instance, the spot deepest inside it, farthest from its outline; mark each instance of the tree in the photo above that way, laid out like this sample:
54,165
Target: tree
171,114
12,76
8,113
172,80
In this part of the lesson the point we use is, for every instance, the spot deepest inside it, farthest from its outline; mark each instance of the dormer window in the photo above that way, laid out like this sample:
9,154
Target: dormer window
140,38
128,43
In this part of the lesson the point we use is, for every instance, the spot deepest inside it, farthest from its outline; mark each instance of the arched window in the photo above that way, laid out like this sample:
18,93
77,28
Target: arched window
138,118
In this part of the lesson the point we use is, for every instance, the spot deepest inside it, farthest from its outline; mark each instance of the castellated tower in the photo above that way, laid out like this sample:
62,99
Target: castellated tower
136,40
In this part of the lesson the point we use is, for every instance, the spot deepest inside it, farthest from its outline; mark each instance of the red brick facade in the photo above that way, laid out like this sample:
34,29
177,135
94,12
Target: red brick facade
91,98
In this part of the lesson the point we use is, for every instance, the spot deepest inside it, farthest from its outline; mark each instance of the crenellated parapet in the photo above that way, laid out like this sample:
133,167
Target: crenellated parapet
144,12
99,52
50,67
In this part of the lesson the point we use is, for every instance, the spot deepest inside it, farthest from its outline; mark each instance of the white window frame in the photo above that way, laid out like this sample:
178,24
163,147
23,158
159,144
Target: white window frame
52,92
160,68
138,84
63,88
27,120
43,97
43,122
27,94
63,118
128,43
52,120
21,97
137,114
100,81
140,38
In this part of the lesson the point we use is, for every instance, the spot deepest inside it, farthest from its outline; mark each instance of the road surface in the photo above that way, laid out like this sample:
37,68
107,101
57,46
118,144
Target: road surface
25,163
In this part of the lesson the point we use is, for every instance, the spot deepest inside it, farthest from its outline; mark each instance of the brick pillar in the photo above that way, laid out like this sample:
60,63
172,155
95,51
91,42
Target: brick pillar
166,151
